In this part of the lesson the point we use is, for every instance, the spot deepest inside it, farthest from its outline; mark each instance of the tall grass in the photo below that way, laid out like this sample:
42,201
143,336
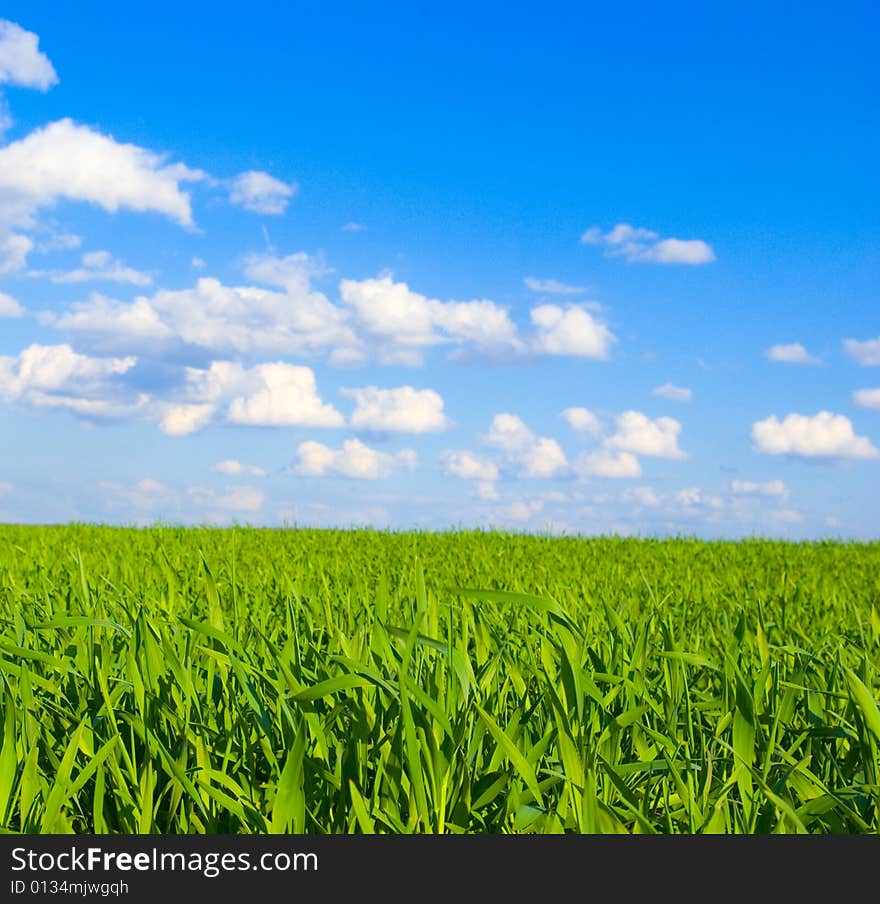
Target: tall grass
177,681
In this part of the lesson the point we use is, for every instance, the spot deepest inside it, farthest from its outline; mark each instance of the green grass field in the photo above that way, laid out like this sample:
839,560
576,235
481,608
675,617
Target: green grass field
176,681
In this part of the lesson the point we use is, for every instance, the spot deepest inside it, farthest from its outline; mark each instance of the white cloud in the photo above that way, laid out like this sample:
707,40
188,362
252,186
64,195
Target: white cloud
198,263
582,420
637,433
14,249
353,226
544,458
772,488
604,463
234,499
259,192
116,325
865,398
404,409
401,318
267,395
286,396
378,318
794,353
242,320
678,251
5,488
536,456
234,468
823,435
642,496
866,353
392,311
621,236
21,61
508,433
355,460
640,245
181,420
66,161
672,393
570,331
98,266
54,376
469,466
693,497
49,368
552,286
9,307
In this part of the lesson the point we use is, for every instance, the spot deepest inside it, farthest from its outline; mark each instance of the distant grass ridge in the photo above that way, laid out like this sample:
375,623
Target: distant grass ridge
172,680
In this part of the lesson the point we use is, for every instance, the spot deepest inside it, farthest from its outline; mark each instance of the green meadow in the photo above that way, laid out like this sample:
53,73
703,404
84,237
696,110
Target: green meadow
172,680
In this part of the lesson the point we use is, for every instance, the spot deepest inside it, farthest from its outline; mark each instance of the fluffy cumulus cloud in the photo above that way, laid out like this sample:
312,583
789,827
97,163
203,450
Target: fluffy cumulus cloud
67,161
55,376
376,319
354,460
97,266
469,466
607,464
583,421
672,393
771,488
508,433
544,458
822,436
244,320
864,398
22,62
403,410
235,468
286,396
570,331
259,192
53,367
267,395
181,419
404,322
866,353
637,433
793,353
640,245
552,287
9,307
535,456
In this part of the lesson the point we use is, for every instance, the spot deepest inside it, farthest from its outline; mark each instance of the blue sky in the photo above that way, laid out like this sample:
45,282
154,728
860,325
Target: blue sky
565,268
